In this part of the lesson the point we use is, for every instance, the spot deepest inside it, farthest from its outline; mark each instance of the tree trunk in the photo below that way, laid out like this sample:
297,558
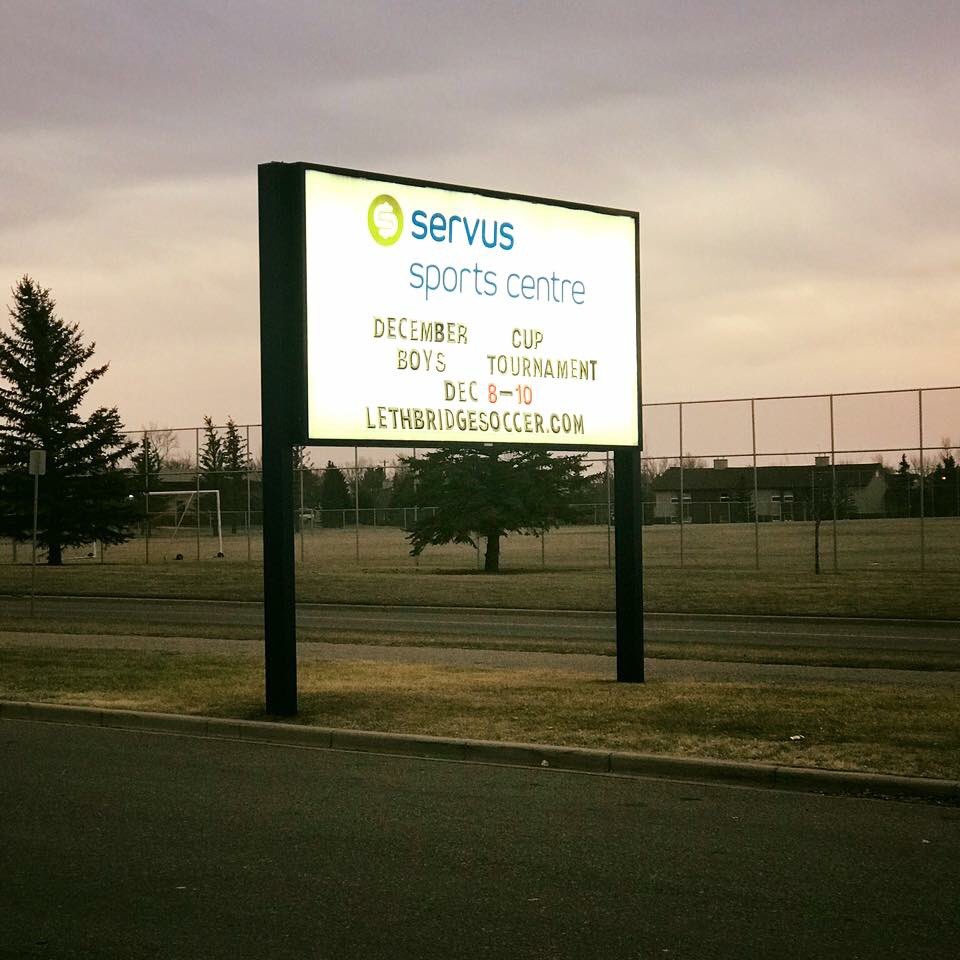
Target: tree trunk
54,555
491,560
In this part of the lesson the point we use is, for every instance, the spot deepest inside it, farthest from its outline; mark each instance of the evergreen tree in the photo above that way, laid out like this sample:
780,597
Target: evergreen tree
403,490
943,486
899,492
212,455
212,464
334,494
146,464
307,485
235,459
482,492
234,448
371,487
84,496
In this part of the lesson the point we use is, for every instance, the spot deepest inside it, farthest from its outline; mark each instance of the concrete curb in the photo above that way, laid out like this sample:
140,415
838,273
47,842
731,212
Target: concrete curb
800,779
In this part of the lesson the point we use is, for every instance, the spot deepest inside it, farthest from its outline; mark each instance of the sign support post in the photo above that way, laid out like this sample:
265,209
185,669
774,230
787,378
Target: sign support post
281,347
628,530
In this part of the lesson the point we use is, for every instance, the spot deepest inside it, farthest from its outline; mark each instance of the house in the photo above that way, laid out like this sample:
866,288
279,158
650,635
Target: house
725,494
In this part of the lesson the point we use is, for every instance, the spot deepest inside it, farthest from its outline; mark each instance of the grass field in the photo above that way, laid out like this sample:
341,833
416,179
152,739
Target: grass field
867,545
877,594
878,570
905,730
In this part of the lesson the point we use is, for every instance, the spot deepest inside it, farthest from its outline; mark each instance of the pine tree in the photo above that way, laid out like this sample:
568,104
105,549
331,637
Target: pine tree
371,487
212,464
480,492
84,496
146,464
334,494
235,462
234,448
899,491
212,455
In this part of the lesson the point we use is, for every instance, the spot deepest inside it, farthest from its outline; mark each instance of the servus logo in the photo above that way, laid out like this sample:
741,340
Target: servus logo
385,220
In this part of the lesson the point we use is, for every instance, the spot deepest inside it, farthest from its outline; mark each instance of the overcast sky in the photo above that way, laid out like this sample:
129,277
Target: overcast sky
795,166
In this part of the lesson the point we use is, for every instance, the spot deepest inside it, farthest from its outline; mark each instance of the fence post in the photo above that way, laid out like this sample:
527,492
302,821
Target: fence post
249,546
833,483
756,487
356,498
923,495
681,485
300,518
196,432
609,528
146,495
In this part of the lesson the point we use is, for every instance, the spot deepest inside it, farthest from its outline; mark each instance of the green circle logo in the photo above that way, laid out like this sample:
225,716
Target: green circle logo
385,220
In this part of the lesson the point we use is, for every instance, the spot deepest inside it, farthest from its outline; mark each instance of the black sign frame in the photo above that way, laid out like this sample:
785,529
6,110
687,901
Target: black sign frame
284,380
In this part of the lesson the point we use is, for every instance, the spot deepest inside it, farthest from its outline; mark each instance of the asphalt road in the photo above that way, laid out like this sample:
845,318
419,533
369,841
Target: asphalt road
118,844
481,621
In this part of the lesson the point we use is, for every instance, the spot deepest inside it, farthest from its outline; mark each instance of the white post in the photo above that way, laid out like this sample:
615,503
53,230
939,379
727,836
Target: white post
219,523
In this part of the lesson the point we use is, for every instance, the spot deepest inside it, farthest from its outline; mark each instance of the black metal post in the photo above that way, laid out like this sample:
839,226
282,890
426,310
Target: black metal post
629,556
281,334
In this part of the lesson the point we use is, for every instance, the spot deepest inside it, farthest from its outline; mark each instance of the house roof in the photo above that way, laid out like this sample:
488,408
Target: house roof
775,478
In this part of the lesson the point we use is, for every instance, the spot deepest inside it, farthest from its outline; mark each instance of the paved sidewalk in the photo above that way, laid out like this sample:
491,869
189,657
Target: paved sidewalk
589,664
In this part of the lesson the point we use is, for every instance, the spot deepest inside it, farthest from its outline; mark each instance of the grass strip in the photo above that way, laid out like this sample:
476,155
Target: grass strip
883,593
901,730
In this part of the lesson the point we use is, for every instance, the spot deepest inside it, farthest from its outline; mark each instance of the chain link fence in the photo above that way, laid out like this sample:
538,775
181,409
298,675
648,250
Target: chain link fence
851,481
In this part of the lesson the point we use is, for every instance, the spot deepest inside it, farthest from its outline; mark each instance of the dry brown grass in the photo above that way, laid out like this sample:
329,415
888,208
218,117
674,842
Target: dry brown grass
851,726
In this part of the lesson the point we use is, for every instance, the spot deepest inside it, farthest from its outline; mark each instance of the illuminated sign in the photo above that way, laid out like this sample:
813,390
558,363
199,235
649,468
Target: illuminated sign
438,314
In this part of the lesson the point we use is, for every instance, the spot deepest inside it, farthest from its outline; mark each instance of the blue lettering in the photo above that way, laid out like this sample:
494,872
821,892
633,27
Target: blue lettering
454,219
416,271
438,227
419,224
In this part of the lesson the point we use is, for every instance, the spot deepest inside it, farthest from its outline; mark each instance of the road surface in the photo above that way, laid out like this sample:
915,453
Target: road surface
119,844
553,625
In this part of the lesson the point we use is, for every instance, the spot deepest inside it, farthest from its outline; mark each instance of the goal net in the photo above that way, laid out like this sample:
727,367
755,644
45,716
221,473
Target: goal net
177,518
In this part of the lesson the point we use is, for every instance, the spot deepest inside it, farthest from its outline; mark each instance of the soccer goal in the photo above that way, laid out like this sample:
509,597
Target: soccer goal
169,517
84,551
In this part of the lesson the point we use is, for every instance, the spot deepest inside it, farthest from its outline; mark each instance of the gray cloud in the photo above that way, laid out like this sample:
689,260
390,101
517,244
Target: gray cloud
794,165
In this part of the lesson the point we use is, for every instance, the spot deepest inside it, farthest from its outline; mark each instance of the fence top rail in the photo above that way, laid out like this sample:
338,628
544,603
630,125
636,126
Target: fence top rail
823,451
799,396
656,403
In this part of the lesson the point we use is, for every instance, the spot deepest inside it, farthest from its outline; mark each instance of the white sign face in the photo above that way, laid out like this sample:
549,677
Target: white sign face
437,315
